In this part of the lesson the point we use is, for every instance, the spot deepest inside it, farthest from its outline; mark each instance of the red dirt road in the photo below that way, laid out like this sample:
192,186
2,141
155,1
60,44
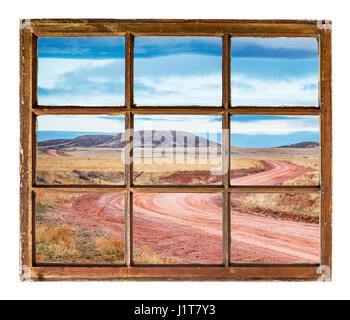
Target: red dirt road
188,227
279,172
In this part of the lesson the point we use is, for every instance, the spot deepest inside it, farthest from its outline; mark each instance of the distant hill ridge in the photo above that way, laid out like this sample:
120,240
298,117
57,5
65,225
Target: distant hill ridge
168,138
306,144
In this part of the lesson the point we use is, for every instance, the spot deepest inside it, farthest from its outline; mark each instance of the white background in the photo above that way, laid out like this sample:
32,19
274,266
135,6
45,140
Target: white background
11,288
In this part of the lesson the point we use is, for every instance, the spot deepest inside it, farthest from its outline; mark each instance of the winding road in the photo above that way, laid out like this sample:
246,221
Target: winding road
188,227
278,172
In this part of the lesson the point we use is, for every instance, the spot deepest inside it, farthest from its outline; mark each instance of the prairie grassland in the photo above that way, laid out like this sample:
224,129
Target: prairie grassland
246,163
194,159
145,256
60,241
298,207
189,168
59,244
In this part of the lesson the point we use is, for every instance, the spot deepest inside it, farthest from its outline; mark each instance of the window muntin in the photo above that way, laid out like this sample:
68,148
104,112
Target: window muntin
157,149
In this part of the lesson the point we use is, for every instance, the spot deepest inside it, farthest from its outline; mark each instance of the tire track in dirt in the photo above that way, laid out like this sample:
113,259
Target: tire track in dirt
188,227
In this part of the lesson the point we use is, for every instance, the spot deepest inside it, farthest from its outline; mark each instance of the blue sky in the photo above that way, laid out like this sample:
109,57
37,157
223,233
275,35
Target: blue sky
253,131
274,71
178,71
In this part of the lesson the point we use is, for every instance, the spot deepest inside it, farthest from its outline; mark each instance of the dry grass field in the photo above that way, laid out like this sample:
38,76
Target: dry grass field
194,167
105,166
288,206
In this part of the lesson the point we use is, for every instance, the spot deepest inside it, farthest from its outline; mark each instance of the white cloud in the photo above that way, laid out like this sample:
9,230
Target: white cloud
175,90
275,43
256,92
276,127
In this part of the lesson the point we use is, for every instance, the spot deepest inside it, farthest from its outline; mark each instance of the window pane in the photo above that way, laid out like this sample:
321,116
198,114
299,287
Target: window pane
80,150
275,228
81,71
274,71
178,71
177,228
171,149
79,228
275,150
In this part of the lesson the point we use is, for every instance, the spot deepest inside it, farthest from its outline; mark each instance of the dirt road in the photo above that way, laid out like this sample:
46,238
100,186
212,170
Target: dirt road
187,227
279,171
52,152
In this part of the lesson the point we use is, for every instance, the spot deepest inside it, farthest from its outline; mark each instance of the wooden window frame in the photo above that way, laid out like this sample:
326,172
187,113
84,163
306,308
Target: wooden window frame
29,109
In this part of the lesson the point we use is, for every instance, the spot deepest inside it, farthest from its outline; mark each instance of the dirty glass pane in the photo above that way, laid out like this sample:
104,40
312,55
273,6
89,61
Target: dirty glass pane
274,71
275,228
275,150
177,228
79,228
178,71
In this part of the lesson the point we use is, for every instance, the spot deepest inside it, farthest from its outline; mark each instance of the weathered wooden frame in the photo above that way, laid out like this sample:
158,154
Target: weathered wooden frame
29,109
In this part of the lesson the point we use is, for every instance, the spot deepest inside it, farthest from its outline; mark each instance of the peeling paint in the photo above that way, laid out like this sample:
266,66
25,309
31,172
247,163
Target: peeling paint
24,24
324,24
325,273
